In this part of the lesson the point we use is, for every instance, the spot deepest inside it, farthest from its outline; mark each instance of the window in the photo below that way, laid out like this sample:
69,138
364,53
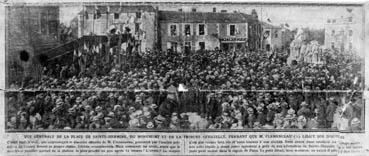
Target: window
173,30
266,34
333,32
350,45
193,9
201,29
43,23
116,15
350,19
187,47
138,14
350,32
187,30
267,47
202,45
276,34
214,9
173,46
97,14
232,30
334,21
86,15
328,21
332,45
53,27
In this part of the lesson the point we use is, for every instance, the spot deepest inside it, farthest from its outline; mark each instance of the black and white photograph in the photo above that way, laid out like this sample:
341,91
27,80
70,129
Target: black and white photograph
184,67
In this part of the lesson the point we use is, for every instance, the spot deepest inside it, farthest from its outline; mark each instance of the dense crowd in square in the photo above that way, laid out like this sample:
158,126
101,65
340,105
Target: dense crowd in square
140,92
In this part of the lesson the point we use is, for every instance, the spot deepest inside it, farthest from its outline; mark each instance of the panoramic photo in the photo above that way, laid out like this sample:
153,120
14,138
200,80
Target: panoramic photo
184,67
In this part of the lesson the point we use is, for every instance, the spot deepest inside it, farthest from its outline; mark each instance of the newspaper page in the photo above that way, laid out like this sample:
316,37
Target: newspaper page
184,78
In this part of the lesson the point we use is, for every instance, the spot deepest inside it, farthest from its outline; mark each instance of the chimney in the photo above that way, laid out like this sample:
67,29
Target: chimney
193,9
223,11
214,9
254,14
180,10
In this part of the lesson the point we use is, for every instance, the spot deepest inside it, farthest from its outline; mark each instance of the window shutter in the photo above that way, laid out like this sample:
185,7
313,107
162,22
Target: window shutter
168,45
236,26
206,29
169,34
228,30
246,30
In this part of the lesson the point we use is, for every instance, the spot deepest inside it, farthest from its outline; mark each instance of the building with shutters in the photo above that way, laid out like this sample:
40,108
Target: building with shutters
344,34
275,37
190,31
29,30
140,21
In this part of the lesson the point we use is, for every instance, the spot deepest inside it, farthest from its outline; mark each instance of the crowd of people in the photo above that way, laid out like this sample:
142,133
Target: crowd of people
266,93
238,70
172,110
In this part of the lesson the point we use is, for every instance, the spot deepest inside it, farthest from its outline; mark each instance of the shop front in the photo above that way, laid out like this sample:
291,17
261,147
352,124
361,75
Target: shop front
229,44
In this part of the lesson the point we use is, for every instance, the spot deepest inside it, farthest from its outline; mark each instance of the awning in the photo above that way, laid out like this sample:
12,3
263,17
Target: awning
233,40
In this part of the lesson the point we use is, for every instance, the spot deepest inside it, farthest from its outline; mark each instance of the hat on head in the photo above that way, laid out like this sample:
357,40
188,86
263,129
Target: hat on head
59,101
150,125
172,90
111,114
98,109
304,103
355,121
79,99
159,118
154,106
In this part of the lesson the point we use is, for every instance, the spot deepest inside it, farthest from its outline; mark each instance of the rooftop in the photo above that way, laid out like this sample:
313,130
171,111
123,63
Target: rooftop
266,25
118,9
199,17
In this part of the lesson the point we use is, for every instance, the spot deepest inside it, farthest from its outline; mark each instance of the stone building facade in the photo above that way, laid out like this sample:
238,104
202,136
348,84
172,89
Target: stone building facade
190,31
141,21
344,34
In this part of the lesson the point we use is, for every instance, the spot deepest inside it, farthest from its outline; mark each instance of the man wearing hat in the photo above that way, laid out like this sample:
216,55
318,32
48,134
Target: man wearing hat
304,110
331,110
170,104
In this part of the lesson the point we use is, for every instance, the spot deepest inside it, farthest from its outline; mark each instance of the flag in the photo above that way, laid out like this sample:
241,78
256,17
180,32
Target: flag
111,51
132,19
79,53
269,20
98,48
124,46
86,14
97,13
355,80
181,88
85,46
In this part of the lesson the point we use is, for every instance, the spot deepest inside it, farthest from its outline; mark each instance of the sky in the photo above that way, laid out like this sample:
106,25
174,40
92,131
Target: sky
295,15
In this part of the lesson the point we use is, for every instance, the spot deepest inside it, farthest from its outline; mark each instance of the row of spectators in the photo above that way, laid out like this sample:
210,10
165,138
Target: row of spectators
256,73
202,70
183,110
